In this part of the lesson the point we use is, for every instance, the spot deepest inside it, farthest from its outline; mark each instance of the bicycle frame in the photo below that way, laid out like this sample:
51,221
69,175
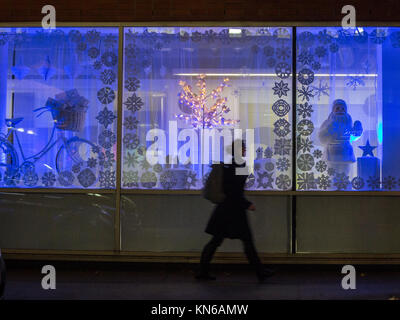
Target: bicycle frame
42,152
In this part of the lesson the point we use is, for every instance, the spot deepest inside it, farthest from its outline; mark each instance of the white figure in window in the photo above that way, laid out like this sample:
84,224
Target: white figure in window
335,134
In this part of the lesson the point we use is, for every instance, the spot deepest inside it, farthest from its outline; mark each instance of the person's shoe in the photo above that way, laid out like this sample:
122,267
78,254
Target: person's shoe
205,277
264,274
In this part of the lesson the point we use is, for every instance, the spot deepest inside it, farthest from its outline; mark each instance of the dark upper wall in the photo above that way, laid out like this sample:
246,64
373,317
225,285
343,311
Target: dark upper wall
199,10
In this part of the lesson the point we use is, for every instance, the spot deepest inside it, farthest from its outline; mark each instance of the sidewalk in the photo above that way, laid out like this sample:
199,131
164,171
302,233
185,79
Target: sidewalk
132,281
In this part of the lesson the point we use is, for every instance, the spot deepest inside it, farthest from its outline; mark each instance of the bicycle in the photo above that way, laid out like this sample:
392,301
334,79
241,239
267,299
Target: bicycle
72,151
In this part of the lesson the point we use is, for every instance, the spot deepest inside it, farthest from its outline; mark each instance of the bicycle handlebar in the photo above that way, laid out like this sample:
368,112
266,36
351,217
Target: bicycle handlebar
47,109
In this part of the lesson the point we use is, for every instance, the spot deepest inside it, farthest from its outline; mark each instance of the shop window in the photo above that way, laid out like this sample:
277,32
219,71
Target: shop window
250,70
58,92
347,109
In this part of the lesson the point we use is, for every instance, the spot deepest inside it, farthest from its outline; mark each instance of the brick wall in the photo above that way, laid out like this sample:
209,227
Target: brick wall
199,10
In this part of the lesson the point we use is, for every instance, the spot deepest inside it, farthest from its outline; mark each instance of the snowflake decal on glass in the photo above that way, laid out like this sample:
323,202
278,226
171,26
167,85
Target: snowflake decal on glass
107,179
281,88
131,123
334,47
389,183
317,153
92,36
283,70
324,37
269,166
306,39
321,166
76,168
304,110
106,117
190,179
306,181
374,183
268,51
250,181
282,147
305,58
320,52
86,178
281,108
107,76
283,182
66,178
324,182
130,179
107,139
306,76
48,179
265,180
168,179
132,84
268,153
131,141
283,164
357,183
134,103
321,90
355,81
106,95
109,59
304,144
93,52
91,162
305,162
305,93
131,159
30,179
341,181
282,127
305,127
283,53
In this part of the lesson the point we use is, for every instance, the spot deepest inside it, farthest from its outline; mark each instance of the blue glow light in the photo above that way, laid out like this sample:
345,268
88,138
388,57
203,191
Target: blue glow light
379,131
354,138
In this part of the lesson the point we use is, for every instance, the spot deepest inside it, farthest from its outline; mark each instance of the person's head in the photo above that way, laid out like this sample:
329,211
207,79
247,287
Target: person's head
237,145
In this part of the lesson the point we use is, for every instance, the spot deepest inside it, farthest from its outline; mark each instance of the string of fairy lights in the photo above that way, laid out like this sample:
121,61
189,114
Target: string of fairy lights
204,114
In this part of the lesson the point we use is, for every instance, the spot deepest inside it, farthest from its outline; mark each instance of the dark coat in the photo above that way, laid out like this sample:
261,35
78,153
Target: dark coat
229,219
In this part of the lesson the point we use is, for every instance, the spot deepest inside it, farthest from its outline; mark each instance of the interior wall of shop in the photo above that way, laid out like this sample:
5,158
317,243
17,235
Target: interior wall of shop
160,223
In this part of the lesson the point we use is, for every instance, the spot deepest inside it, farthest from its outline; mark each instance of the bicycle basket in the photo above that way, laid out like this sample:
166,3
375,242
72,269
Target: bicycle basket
68,119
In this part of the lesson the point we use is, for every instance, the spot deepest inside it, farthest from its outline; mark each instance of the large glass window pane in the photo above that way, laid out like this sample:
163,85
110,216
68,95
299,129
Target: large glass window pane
165,69
347,108
58,90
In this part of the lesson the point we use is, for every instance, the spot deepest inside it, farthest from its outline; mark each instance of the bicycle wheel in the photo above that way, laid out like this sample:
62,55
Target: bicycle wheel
74,151
8,158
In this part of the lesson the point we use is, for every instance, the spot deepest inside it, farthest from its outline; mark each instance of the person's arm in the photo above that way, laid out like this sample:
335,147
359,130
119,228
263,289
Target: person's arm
233,191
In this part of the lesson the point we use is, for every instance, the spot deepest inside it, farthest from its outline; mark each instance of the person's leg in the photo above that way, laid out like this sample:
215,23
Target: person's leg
208,253
261,271
252,255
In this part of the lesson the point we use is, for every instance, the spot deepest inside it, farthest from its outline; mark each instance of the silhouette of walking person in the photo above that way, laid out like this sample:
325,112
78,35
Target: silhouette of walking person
229,220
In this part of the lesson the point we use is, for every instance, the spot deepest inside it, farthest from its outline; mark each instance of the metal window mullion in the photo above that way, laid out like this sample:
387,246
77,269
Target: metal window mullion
117,216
